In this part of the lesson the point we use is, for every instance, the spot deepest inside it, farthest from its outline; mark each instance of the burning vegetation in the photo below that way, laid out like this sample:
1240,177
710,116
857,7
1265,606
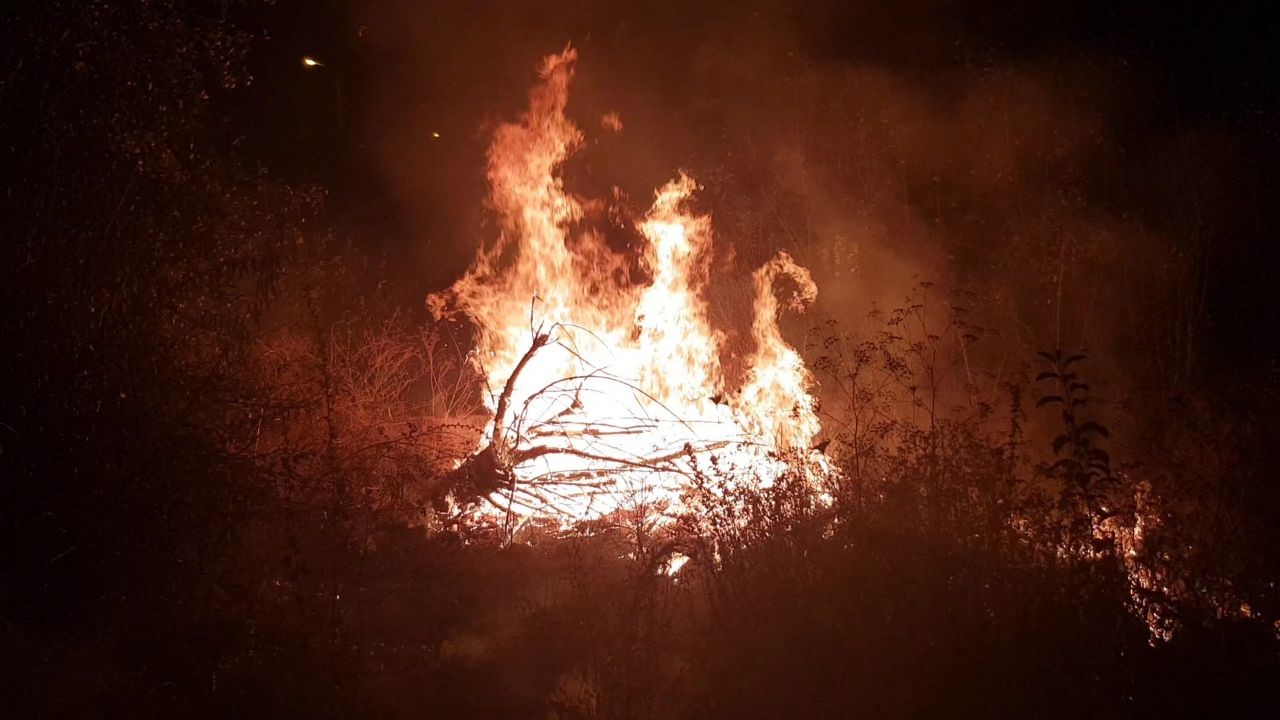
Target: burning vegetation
805,431
606,389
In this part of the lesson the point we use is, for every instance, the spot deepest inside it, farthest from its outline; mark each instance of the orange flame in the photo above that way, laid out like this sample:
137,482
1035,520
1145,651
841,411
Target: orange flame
628,393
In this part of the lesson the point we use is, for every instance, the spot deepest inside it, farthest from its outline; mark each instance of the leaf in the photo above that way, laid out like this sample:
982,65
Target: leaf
1051,358
1095,428
1066,464
1047,375
1049,399
1074,358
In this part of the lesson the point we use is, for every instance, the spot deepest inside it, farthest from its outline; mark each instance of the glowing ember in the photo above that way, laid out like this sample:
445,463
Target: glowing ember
606,393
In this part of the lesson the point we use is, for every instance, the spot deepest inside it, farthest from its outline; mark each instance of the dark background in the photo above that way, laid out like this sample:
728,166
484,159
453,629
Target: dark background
193,222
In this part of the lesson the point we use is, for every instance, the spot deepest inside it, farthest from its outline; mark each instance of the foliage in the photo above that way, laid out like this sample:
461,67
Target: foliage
1083,468
225,465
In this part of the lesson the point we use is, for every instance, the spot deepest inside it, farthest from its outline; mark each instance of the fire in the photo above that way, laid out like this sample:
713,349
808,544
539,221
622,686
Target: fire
607,392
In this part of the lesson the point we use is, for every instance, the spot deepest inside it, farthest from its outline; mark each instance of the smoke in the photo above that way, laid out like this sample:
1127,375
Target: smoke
1047,180
882,147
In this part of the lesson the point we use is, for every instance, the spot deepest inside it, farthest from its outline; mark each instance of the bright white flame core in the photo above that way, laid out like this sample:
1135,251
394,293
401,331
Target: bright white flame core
628,400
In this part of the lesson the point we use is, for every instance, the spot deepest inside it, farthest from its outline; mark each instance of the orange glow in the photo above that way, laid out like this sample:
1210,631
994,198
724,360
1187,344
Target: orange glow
611,121
627,396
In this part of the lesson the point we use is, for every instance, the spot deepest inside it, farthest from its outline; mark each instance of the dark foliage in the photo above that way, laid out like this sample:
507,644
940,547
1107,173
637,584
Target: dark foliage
223,463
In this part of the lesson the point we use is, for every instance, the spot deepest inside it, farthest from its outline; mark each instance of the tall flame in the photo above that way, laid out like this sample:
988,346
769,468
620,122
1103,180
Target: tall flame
611,391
